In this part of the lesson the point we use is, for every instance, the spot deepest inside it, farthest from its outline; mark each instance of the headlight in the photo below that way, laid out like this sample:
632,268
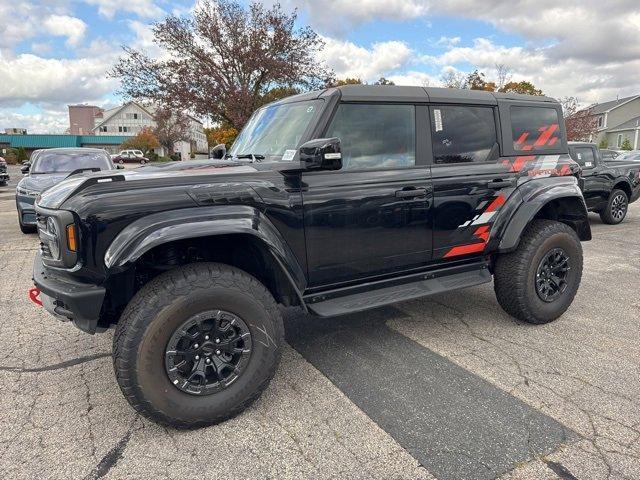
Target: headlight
26,191
53,238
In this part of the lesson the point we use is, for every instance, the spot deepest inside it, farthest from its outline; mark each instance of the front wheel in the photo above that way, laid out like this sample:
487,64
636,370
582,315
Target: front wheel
616,208
538,281
197,345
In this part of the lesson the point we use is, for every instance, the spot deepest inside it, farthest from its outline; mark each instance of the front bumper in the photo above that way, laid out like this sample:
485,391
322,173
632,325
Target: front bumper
68,299
26,209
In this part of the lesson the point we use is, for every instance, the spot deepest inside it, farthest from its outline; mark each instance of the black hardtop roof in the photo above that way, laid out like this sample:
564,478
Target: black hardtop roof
397,93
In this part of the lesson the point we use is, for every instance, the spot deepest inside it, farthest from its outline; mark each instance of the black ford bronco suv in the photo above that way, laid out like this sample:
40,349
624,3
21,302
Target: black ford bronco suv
334,201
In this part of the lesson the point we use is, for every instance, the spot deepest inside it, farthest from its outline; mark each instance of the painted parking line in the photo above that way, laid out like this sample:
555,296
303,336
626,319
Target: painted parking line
457,425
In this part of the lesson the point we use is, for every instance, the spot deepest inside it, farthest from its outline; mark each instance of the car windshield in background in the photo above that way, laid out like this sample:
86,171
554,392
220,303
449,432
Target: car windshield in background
66,162
629,157
273,130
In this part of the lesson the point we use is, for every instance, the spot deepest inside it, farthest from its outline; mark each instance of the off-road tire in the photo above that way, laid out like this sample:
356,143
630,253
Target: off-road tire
607,214
515,272
157,310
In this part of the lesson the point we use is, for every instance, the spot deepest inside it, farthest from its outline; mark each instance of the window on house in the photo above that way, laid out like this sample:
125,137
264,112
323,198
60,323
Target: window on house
135,116
463,134
619,142
599,121
103,128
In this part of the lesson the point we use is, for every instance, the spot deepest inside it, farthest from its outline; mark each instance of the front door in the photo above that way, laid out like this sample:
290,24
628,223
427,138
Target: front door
597,184
372,216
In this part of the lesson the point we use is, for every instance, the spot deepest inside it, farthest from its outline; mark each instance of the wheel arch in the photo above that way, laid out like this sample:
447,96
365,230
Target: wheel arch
560,203
240,236
625,186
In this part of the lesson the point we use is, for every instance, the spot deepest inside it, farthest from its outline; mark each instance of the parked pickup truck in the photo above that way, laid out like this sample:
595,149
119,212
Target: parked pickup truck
609,186
334,201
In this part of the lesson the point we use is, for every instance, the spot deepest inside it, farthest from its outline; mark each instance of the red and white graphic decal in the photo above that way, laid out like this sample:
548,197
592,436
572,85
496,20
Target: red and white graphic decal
481,233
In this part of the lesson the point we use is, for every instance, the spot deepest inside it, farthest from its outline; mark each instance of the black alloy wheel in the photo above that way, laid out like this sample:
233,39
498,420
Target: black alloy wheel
551,275
208,352
619,207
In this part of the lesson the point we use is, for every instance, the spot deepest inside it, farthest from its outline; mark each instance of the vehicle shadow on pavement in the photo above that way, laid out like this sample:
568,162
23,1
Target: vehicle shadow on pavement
456,424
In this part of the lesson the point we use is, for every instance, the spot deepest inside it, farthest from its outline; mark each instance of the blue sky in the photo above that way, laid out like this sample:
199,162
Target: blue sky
56,52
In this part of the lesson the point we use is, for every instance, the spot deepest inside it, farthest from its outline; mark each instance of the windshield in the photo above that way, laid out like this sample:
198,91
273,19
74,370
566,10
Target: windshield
271,131
66,162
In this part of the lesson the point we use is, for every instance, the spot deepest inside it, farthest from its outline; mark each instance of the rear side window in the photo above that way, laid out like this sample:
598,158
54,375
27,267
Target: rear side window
534,128
463,134
584,157
375,136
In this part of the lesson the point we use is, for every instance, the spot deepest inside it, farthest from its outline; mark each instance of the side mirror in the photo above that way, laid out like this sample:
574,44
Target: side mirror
219,151
25,168
119,167
321,154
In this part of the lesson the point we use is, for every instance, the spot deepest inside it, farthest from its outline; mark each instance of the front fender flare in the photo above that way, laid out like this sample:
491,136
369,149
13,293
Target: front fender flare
159,228
533,200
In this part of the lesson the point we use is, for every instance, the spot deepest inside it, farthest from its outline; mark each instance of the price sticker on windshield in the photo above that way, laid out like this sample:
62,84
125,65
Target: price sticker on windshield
288,155
437,117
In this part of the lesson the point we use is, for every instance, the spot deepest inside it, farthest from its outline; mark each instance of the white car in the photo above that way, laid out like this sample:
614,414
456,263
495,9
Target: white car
129,153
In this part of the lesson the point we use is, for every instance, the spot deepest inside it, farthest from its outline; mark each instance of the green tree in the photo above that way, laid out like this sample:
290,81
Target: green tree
626,145
603,143
524,87
384,81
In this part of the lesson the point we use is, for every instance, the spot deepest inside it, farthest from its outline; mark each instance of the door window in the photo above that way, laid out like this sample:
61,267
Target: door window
463,134
585,157
375,136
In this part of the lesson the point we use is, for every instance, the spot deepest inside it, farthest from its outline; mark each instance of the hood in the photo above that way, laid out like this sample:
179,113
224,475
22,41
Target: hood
191,172
40,182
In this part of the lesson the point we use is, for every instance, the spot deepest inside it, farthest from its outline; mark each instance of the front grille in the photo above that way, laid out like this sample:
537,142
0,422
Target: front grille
41,222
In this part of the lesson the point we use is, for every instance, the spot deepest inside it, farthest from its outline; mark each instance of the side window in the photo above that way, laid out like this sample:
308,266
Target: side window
534,128
585,157
375,136
463,134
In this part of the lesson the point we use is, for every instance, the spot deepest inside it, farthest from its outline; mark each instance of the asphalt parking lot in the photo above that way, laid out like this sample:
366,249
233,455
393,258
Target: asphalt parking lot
447,387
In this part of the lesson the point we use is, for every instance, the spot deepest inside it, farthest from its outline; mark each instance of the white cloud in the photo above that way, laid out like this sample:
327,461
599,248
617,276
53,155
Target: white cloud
571,76
448,41
42,122
353,61
338,15
66,26
415,78
142,8
53,81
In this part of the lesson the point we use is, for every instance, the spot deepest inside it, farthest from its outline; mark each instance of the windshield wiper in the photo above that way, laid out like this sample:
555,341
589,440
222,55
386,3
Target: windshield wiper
252,156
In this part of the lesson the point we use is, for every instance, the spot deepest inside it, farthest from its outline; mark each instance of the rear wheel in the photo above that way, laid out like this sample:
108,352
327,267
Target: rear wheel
537,282
616,208
197,345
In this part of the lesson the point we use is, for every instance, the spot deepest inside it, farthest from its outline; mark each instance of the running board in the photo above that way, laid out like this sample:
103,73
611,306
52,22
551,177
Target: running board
366,300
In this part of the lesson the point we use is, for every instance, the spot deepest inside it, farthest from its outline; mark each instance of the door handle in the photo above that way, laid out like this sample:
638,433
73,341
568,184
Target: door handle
410,193
501,183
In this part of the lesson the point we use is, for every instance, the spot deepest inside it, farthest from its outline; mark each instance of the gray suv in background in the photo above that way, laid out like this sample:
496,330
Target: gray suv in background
48,168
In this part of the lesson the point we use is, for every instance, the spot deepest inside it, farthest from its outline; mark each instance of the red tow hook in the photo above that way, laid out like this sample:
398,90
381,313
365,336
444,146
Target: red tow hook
34,295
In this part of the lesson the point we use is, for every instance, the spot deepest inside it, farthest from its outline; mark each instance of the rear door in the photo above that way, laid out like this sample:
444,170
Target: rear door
480,153
371,217
470,183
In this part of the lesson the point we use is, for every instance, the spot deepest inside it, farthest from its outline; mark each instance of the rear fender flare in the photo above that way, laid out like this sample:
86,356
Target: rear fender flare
159,228
533,201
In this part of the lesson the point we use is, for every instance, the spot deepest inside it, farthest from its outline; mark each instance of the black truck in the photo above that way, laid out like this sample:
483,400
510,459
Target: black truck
334,201
608,186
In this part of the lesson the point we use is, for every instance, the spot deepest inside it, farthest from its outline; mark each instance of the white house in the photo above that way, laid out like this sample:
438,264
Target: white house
132,117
